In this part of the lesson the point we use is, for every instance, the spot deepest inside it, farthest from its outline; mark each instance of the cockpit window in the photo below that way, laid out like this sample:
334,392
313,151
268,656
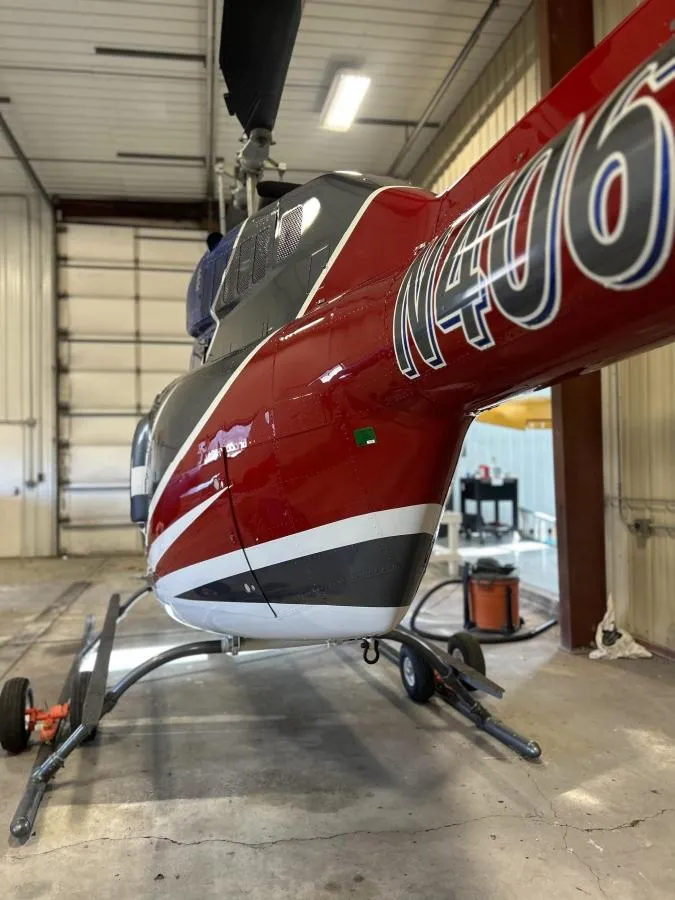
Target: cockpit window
282,252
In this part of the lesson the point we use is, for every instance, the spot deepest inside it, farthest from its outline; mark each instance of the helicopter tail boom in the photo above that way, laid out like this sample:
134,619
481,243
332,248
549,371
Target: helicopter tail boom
564,266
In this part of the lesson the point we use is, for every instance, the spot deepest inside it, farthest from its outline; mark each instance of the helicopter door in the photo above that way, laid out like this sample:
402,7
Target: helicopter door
248,589
287,433
206,562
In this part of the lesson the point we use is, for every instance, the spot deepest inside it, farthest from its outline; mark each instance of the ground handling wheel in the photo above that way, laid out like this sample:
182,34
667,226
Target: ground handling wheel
417,675
78,693
464,646
16,698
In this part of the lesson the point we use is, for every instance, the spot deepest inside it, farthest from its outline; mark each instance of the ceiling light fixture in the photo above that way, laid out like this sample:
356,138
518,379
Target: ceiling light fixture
344,99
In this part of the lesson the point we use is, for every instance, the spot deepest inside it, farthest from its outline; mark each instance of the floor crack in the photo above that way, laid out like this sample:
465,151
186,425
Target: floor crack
548,800
581,860
632,823
260,845
255,845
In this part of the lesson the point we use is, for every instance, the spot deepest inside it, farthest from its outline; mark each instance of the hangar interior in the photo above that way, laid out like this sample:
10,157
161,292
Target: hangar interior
301,772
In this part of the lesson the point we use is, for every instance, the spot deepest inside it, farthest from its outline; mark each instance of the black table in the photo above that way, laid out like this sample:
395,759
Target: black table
480,491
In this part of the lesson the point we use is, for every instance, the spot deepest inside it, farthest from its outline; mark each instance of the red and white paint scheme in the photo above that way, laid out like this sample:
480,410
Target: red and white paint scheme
303,501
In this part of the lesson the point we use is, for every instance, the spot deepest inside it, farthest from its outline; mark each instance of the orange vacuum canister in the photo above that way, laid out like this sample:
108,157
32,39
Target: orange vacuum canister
492,590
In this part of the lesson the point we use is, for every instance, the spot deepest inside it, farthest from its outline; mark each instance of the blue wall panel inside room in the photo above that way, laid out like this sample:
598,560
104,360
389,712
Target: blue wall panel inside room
527,455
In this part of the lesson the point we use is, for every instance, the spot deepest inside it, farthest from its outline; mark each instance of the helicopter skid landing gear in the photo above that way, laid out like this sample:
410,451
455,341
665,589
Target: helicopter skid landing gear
84,701
454,676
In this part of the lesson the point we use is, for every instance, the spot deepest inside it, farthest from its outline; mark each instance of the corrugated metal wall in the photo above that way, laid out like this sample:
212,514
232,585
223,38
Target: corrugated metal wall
27,391
506,90
608,13
122,339
639,449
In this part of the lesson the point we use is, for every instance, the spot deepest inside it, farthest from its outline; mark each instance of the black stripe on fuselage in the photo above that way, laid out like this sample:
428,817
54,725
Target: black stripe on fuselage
237,588
384,572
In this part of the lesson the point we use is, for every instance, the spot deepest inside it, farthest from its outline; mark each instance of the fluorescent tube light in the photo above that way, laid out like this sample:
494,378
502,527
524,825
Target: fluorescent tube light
344,99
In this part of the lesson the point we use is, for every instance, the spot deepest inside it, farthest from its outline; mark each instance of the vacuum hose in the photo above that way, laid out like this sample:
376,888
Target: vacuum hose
483,637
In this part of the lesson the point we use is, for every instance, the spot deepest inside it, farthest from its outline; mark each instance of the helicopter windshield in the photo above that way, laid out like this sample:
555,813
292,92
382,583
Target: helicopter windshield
204,285
280,254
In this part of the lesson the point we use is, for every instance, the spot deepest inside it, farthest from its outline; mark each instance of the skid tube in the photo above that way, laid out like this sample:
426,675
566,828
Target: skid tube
455,680
22,823
98,702
454,675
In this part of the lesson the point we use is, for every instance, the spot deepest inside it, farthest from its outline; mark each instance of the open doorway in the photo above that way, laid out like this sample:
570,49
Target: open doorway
504,490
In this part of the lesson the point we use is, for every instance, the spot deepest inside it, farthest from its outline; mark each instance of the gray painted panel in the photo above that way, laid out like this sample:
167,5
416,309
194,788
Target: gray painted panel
277,298
383,572
187,399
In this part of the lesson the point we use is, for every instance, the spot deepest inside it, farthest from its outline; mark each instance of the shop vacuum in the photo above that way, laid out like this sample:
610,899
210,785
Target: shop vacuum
491,604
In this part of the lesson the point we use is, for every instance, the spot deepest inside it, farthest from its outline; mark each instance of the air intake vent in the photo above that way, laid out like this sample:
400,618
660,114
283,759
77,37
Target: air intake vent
289,233
262,243
230,280
245,265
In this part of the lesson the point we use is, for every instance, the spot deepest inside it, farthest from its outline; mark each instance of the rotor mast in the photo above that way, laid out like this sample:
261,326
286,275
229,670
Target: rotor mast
255,75
252,159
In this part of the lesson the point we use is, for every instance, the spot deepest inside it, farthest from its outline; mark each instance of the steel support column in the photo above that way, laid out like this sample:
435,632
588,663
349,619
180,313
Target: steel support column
23,161
210,135
565,37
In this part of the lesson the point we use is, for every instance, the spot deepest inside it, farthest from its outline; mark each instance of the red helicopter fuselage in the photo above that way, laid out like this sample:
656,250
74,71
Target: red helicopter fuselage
304,501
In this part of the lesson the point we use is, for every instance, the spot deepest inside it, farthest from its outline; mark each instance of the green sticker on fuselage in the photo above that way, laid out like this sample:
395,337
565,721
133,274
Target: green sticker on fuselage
365,436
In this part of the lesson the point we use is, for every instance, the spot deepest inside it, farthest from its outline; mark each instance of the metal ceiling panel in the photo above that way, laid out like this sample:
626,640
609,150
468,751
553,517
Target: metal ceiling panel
406,51
73,109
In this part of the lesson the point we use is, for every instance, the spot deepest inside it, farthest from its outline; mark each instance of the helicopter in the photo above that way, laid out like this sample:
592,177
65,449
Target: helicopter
290,485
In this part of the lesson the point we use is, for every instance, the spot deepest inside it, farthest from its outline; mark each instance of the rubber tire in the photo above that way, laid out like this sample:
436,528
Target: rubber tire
423,683
78,693
470,652
15,698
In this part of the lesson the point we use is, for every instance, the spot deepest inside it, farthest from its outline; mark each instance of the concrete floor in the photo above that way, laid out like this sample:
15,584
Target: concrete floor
308,775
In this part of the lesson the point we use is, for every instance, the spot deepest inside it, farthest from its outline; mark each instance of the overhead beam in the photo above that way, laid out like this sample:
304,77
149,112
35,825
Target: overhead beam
112,208
138,53
565,29
394,123
23,160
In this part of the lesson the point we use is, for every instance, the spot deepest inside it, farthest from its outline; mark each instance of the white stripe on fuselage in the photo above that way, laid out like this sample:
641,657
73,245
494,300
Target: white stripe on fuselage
164,540
173,465
209,570
419,519
386,523
345,237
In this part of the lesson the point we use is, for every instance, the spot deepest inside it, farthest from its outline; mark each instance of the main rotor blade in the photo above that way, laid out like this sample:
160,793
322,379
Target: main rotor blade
256,43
